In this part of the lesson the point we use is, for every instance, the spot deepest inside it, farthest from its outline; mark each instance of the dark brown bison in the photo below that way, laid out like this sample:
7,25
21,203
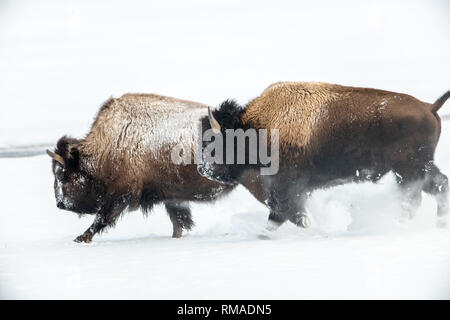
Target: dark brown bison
125,163
331,134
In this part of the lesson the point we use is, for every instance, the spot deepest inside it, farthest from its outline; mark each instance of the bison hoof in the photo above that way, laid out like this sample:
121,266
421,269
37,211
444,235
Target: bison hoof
272,225
304,222
177,234
83,238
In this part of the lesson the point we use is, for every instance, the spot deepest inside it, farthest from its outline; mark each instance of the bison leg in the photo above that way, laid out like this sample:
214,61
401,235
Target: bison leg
280,209
98,225
436,184
410,183
181,217
103,219
284,205
300,218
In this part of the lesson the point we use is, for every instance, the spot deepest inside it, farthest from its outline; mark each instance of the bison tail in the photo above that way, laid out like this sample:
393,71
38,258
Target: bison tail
440,102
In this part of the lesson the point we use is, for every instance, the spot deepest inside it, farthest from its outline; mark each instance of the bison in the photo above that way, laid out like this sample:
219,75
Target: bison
331,134
125,163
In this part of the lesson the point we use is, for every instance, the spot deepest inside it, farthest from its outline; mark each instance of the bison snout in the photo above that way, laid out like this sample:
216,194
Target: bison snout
60,205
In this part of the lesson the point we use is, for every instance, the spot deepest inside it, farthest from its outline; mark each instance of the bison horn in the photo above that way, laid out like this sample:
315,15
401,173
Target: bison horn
213,122
56,157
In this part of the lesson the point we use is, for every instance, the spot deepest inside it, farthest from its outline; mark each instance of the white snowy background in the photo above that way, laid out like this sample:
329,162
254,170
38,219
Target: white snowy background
59,60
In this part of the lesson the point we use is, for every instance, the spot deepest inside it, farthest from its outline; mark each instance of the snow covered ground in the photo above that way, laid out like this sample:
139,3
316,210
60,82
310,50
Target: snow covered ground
60,59
355,248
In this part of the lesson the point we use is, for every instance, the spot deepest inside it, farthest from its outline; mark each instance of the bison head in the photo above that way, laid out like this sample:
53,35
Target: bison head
75,189
232,148
219,159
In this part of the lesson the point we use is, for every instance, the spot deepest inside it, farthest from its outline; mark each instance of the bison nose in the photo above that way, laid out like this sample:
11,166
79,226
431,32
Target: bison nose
60,205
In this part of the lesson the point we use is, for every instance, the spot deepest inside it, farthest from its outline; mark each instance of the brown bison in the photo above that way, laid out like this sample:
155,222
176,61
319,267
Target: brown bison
125,163
331,134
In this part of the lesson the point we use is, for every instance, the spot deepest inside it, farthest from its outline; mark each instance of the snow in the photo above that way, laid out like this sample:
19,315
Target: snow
59,60
356,248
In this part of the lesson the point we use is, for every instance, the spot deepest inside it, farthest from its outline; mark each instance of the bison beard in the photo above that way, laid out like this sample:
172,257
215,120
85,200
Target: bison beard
331,134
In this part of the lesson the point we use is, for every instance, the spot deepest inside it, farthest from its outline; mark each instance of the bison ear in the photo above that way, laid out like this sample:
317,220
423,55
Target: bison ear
73,154
68,149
